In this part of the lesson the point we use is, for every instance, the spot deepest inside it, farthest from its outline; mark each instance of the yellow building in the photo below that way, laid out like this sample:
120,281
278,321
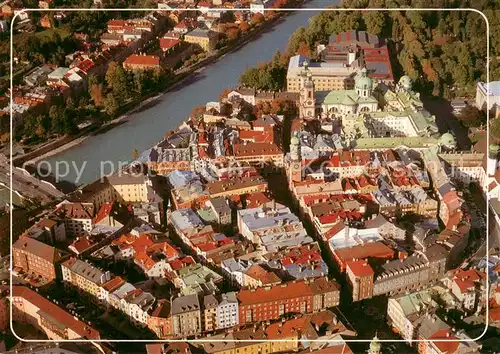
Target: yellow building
204,38
84,276
129,188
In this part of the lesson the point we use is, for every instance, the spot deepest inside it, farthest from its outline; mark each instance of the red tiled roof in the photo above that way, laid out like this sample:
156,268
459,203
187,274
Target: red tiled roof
284,330
144,260
372,249
168,43
447,347
82,244
86,65
104,211
256,149
257,199
142,242
144,60
360,268
288,290
181,262
113,284
257,136
467,279
339,226
494,314
258,273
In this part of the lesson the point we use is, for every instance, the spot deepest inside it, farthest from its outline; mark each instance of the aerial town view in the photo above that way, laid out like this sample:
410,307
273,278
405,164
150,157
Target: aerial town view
249,177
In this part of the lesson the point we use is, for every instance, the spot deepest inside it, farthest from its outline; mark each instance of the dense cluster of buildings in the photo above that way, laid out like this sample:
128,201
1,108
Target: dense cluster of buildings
364,162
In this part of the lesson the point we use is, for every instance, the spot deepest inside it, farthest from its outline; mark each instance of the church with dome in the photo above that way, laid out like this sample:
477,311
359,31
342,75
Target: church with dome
370,110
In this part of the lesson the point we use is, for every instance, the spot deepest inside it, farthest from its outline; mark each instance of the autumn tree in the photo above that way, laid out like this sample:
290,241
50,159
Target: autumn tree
244,26
471,117
135,154
257,19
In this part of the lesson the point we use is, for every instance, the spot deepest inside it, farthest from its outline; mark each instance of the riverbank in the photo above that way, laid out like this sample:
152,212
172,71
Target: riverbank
180,79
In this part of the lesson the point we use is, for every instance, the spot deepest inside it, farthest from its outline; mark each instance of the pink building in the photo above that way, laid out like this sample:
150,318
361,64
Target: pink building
30,307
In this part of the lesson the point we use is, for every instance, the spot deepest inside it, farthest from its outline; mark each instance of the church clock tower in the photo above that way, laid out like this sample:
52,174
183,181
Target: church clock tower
307,102
295,169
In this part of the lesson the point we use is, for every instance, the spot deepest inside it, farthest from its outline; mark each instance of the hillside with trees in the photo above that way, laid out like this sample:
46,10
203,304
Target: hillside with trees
444,52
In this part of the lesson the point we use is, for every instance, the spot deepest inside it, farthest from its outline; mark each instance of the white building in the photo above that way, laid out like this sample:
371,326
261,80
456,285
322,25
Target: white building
77,217
467,286
139,303
227,311
258,6
491,90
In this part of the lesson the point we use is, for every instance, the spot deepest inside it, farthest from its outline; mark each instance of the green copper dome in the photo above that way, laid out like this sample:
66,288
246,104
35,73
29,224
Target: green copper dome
295,139
362,81
494,148
448,140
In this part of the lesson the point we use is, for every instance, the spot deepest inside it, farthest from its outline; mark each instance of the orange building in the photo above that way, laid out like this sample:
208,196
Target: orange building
160,321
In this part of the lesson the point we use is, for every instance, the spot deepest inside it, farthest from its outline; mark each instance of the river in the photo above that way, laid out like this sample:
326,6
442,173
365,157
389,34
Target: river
146,127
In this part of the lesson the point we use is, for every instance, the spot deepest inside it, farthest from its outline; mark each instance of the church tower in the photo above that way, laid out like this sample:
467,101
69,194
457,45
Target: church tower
307,102
363,84
295,169
375,346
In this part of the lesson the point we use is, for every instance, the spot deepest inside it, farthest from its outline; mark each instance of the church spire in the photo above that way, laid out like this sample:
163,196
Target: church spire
375,346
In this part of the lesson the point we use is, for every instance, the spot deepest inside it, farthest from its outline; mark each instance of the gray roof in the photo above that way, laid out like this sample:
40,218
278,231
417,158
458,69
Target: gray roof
210,302
430,324
88,271
228,298
184,219
184,304
412,262
436,252
198,32
380,67
220,205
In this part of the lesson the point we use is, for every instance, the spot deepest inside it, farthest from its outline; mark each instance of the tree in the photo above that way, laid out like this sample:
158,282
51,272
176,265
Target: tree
374,21
135,154
117,81
472,117
111,104
244,26
257,19
233,33
97,93
495,129
304,49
